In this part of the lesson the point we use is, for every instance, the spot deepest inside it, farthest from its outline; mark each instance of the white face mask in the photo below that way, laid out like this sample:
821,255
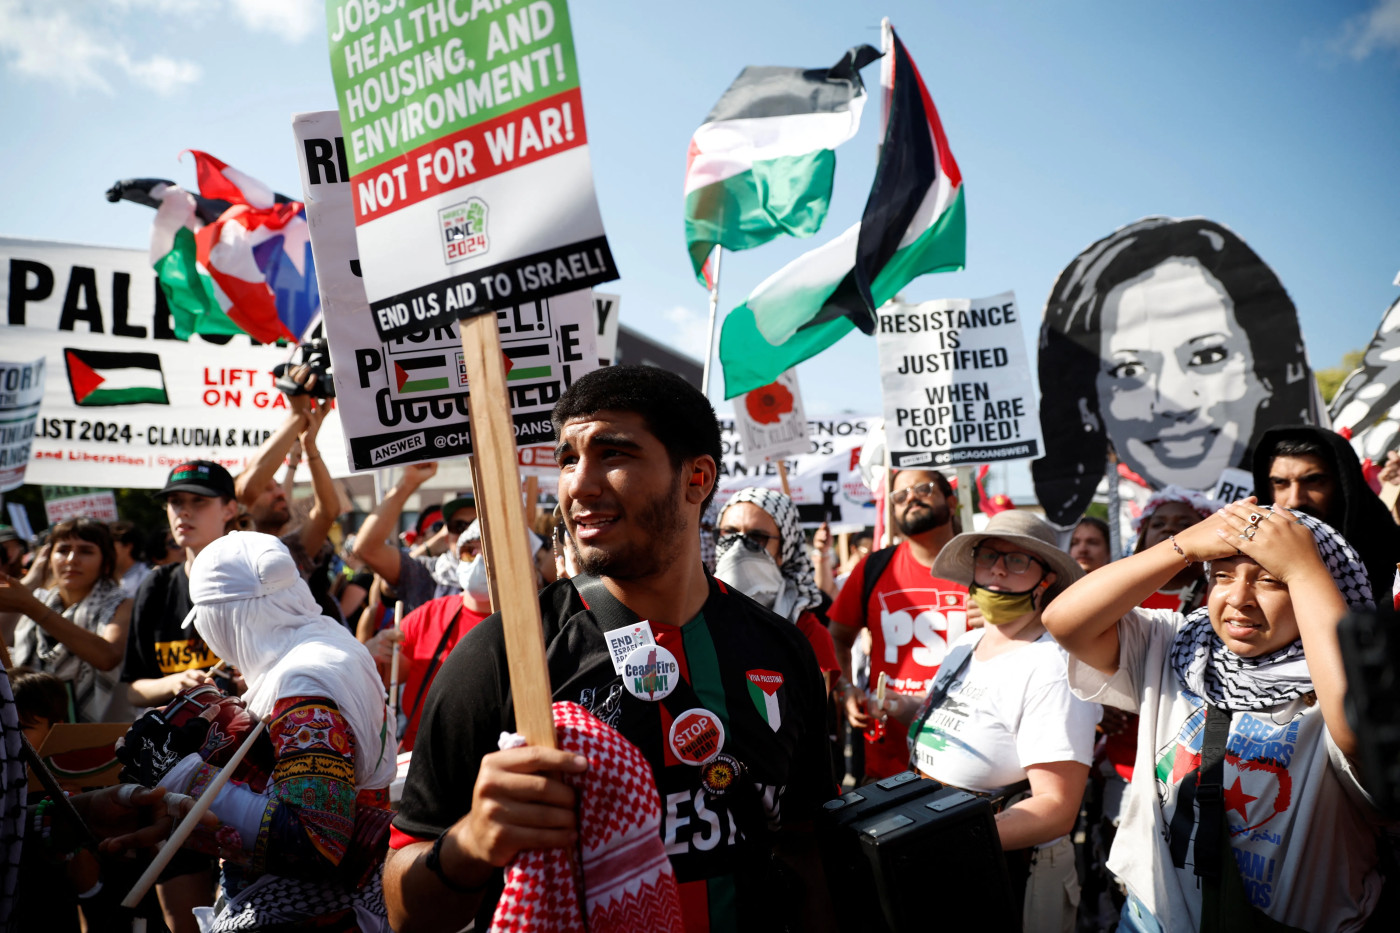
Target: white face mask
753,573
471,576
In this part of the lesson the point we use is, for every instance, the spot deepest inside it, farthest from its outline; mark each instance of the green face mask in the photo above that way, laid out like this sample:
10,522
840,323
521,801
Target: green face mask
1000,608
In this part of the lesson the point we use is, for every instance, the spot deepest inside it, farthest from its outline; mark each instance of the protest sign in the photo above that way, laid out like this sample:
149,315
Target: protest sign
124,399
21,390
956,385
81,756
1172,343
825,480
608,308
404,400
64,502
467,152
771,421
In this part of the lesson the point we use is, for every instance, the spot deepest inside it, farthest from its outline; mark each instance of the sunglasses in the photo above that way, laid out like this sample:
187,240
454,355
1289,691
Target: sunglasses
753,540
457,526
922,491
986,558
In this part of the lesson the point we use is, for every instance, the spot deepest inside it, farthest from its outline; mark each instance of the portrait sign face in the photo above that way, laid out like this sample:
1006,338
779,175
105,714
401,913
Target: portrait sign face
1172,345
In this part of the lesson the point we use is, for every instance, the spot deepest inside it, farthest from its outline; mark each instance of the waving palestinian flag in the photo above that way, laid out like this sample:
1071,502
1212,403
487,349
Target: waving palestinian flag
914,223
761,164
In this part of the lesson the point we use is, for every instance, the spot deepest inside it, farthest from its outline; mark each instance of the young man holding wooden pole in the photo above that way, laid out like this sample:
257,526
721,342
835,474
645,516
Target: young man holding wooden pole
735,736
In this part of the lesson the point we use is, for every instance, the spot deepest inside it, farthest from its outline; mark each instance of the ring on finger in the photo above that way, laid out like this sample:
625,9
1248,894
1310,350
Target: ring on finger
1255,518
1250,532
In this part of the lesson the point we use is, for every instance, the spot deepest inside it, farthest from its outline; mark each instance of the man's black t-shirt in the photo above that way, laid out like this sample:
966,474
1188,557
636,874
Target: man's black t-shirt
159,644
753,670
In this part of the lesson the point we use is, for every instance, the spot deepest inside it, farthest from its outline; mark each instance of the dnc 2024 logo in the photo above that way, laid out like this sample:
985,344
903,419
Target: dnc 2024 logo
463,228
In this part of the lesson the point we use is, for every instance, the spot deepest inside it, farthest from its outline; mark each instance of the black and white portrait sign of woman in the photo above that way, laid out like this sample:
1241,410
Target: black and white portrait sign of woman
1172,342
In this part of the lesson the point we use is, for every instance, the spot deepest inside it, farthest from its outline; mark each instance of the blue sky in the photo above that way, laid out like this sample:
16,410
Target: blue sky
1281,120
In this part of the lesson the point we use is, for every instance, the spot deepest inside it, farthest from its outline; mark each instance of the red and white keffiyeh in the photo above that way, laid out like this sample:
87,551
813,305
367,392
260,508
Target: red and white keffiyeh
619,870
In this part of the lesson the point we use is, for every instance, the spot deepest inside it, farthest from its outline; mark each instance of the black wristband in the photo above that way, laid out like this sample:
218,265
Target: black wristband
434,863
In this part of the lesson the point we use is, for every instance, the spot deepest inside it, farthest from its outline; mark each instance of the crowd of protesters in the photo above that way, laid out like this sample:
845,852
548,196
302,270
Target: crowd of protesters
1114,709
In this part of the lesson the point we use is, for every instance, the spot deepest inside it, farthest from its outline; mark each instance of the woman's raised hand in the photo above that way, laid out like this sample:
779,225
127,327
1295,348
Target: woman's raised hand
1276,540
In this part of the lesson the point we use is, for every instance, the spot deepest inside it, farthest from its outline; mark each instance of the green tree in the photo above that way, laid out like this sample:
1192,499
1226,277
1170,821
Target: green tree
1330,380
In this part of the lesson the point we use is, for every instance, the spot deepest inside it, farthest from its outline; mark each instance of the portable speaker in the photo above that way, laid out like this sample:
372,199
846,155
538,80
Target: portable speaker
909,853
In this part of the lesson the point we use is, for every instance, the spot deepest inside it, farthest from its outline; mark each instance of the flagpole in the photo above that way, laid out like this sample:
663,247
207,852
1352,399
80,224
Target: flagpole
714,309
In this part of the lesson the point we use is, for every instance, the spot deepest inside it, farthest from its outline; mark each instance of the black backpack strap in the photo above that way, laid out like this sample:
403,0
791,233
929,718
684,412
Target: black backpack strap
1210,793
606,608
875,565
954,663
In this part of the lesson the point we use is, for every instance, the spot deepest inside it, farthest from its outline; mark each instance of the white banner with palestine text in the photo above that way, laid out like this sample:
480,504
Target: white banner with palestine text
124,399
825,481
405,400
956,384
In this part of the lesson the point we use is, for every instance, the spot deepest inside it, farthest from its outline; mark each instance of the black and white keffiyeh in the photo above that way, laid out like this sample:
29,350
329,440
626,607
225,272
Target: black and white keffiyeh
1209,669
797,567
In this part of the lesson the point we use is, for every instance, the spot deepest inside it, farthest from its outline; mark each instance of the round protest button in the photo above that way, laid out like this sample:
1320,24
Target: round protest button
696,736
721,774
650,672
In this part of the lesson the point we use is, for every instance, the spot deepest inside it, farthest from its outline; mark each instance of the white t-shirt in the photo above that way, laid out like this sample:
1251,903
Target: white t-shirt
1300,825
1003,715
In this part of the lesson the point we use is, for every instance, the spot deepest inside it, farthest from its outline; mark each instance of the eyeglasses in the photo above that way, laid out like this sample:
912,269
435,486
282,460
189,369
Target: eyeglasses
986,558
753,540
923,490
457,526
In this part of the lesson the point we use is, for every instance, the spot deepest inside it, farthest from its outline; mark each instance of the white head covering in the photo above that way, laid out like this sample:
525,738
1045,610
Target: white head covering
254,610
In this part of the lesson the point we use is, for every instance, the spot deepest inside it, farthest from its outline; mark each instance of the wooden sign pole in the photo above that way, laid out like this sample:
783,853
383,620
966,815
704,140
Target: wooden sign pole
782,478
498,500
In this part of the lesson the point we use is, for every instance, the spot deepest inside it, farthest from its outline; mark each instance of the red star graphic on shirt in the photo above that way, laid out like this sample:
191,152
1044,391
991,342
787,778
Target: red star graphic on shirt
1236,799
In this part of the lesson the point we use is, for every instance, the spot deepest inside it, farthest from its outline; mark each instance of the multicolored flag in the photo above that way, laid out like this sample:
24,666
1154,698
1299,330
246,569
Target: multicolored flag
914,223
236,258
761,164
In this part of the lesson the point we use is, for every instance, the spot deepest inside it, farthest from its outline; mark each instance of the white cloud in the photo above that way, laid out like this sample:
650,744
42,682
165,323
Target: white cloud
42,41
689,329
292,20
1376,30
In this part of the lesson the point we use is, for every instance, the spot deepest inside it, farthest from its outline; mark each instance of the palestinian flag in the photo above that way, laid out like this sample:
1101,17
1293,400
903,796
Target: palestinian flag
101,378
531,361
422,374
763,690
762,162
914,223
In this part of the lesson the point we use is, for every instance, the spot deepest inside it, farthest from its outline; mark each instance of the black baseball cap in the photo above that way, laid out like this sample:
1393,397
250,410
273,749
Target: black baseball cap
201,477
452,506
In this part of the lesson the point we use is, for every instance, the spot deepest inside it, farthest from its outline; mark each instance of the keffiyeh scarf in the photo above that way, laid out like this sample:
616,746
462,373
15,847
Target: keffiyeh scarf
34,647
801,592
1204,505
1209,669
619,878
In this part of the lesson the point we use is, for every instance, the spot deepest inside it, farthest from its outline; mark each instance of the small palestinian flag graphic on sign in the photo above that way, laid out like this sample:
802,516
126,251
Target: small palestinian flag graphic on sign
530,361
439,372
101,378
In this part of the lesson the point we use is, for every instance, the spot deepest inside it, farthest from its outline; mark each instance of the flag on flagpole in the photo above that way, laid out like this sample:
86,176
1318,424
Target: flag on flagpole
761,164
914,223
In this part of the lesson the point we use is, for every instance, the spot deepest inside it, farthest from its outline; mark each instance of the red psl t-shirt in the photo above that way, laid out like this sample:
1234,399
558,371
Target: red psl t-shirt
423,631
809,625
913,617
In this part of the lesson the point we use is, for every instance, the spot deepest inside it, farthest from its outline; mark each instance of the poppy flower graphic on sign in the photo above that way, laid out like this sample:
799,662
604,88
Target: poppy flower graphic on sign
768,404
